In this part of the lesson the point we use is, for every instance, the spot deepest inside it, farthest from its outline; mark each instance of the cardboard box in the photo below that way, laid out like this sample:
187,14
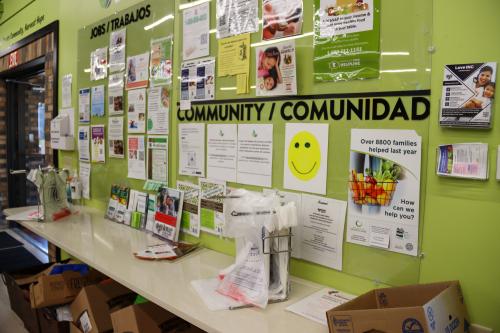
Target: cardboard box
92,307
59,289
426,308
47,319
149,318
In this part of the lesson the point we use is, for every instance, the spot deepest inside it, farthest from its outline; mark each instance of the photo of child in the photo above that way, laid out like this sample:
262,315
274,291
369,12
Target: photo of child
167,202
276,70
281,18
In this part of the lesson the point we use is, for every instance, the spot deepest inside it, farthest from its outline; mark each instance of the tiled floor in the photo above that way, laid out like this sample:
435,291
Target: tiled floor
9,321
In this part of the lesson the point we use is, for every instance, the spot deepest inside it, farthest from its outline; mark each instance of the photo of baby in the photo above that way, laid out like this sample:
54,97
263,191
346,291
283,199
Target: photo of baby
276,70
281,18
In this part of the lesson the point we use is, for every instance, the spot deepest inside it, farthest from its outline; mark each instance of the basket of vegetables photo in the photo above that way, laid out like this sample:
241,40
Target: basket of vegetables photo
375,187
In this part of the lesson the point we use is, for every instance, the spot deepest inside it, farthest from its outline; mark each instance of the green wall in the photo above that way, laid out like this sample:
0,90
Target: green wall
460,220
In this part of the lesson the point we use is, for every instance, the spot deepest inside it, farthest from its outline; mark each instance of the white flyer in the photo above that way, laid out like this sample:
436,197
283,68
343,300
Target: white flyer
84,143
99,64
192,149
84,105
115,94
339,17
190,222
138,71
306,157
84,174
468,95
157,165
136,100
158,110
66,91
97,101
315,306
136,157
117,50
116,145
463,160
276,69
195,29
384,189
322,233
198,80
222,151
255,154
236,17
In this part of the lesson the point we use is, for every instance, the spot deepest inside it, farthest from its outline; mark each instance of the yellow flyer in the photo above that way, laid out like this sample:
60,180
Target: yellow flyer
234,55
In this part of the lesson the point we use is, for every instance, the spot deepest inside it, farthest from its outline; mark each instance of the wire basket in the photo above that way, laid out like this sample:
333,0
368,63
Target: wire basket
372,194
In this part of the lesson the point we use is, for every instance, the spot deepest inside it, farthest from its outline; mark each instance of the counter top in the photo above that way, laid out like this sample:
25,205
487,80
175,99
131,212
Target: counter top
108,247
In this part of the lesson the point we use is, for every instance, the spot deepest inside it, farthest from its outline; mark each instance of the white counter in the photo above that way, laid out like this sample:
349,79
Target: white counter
109,247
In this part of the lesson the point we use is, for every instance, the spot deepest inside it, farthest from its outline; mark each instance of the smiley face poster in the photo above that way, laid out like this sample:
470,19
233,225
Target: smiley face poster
306,157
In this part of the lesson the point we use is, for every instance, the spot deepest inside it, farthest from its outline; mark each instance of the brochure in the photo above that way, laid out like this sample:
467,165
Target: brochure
197,80
235,17
168,213
468,95
161,61
384,189
113,202
98,145
138,71
190,223
97,99
115,94
121,208
281,18
99,64
84,105
463,160
212,195
276,69
84,143
195,30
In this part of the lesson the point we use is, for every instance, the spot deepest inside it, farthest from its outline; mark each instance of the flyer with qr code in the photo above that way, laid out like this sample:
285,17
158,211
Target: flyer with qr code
468,95
235,17
195,32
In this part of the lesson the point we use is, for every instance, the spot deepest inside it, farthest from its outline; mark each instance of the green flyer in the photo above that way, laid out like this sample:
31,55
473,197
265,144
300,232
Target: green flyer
346,40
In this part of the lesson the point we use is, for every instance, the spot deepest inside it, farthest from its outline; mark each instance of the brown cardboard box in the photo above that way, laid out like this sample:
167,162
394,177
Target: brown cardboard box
149,318
426,308
59,289
92,307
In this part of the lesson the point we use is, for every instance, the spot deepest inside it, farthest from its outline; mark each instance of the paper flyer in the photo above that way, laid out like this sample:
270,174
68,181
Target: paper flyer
190,223
84,143
281,18
66,91
306,157
157,166
322,230
98,144
158,110
235,17
161,61
116,144
276,69
192,150
99,64
255,154
136,110
115,94
463,160
233,55
222,151
468,95
138,71
346,40
212,205
195,32
84,174
197,80
384,189
84,105
117,50
168,213
136,157
97,101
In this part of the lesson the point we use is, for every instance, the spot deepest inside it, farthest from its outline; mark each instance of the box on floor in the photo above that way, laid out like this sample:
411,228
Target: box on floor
435,307
149,318
92,307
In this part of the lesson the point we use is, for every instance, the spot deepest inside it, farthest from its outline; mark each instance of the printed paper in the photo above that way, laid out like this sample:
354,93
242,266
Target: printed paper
212,205
84,143
84,174
384,189
235,17
158,110
84,105
138,71
98,145
281,18
464,160
190,223
192,150
234,55
195,29
66,91
97,99
116,145
306,157
168,213
222,151
99,64
276,69
158,158
115,94
197,80
161,61
136,110
255,154
117,50
136,157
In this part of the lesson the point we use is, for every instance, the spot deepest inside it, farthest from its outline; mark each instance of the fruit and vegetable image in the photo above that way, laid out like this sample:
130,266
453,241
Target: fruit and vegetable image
376,184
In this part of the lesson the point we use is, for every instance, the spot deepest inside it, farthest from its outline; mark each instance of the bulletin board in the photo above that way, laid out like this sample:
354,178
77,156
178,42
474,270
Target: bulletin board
405,62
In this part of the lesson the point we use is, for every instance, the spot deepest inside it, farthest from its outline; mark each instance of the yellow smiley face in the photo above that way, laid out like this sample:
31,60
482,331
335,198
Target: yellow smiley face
304,156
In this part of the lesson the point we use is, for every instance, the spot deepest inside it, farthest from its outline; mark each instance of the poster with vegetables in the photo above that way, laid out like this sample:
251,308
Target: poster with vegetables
384,189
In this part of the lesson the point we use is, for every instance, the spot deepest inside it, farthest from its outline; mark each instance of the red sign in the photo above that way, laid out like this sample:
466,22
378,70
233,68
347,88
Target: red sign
14,59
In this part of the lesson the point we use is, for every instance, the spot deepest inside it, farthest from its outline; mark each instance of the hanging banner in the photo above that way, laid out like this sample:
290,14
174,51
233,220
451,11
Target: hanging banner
346,40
